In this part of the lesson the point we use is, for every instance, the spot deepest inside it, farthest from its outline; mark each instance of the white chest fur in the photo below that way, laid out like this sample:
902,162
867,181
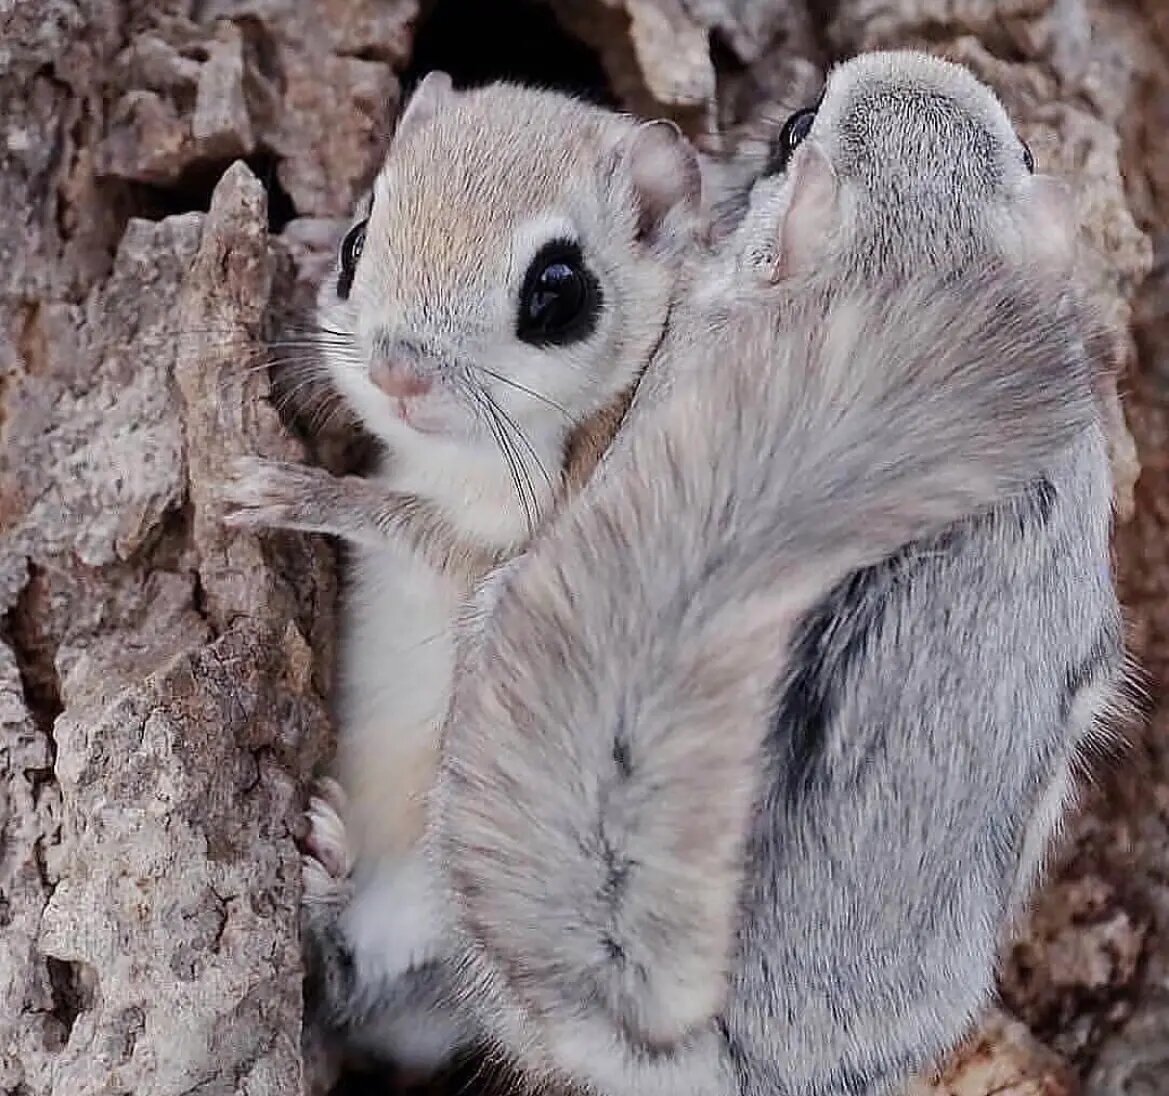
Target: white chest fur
394,688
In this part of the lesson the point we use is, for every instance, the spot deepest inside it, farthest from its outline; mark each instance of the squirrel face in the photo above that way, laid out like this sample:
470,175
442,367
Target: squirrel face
907,161
510,270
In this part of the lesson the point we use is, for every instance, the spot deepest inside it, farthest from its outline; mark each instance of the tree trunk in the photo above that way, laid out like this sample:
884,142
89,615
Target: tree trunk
172,176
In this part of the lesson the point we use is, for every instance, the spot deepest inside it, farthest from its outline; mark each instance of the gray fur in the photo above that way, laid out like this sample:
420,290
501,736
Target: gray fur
584,872
882,490
909,759
476,183
416,1008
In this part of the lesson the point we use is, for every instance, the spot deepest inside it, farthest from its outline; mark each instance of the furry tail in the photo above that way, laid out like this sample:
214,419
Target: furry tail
602,756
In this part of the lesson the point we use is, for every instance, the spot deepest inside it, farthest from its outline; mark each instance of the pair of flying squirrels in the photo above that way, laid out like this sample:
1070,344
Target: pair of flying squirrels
711,754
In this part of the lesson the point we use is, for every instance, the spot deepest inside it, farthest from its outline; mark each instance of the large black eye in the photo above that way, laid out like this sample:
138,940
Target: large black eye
560,298
1028,159
790,137
350,252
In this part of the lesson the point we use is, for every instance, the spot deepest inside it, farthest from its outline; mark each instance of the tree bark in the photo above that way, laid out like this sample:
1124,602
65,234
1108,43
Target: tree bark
173,178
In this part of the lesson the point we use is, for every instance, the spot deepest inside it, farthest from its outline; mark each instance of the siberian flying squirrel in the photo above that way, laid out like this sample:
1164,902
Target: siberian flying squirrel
756,748
490,313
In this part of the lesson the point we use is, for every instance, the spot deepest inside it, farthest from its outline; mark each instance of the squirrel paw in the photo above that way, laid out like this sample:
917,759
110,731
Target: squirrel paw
261,493
327,859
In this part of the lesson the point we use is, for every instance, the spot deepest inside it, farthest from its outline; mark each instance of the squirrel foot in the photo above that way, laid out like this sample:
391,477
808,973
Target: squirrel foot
327,858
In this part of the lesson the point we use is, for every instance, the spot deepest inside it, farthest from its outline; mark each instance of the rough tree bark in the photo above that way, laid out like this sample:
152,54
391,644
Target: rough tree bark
171,174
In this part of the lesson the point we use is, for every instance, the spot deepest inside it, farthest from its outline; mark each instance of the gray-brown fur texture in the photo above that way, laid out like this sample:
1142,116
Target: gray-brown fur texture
755,751
273,495
485,425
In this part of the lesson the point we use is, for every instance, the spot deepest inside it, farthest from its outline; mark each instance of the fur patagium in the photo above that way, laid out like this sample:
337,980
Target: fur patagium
474,186
756,749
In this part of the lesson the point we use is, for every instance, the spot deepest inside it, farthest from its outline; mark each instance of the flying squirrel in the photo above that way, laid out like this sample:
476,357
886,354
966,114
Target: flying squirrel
492,308
757,749
712,814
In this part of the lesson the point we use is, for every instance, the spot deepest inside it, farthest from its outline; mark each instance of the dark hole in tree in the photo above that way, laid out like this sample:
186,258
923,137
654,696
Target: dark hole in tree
72,992
192,191
36,654
723,54
281,209
467,1077
517,40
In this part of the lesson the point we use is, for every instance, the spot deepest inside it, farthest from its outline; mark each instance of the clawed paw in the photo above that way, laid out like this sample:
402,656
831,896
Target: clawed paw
327,859
265,493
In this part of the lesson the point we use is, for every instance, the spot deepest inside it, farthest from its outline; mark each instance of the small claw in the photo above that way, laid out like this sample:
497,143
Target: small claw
326,840
260,493
318,886
330,790
256,517
327,843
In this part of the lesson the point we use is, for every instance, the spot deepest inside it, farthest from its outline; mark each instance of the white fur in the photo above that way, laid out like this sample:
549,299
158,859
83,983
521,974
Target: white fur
395,921
619,698
396,662
419,1042
474,185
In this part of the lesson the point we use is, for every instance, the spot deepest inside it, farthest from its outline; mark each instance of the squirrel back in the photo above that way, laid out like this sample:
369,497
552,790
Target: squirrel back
631,828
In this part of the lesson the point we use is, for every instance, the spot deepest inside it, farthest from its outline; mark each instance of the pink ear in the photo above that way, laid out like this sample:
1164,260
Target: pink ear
811,211
663,168
428,98
1049,223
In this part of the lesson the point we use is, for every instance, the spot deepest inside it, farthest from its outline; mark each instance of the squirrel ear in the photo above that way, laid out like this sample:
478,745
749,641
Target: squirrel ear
428,98
663,170
1049,223
810,213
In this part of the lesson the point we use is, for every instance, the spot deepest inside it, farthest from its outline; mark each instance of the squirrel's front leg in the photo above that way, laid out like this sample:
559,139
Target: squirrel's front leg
268,494
276,495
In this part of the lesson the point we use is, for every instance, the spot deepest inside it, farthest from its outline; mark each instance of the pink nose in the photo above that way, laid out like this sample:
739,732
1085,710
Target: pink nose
397,379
